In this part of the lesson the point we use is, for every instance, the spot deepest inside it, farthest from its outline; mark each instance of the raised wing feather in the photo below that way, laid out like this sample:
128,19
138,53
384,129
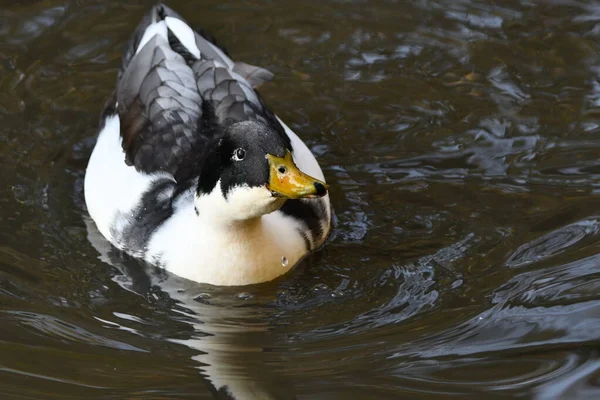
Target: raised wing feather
176,94
160,108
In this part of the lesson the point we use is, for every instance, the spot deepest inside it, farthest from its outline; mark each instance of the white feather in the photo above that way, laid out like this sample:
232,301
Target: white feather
184,33
157,28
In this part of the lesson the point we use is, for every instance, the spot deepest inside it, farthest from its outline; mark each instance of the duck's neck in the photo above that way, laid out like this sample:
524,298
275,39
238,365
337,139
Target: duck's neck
253,250
235,230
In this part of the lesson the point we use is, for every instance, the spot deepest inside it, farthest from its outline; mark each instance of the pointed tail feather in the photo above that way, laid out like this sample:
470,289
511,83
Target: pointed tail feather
167,23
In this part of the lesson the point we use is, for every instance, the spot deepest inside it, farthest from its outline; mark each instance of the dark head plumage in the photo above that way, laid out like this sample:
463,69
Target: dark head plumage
240,157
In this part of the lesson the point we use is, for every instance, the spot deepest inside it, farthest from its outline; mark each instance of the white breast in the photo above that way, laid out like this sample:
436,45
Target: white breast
227,255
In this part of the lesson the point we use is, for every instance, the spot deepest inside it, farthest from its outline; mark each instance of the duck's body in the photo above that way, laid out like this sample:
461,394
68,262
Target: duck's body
184,174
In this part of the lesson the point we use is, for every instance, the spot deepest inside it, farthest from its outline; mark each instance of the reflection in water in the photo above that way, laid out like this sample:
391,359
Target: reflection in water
223,334
554,242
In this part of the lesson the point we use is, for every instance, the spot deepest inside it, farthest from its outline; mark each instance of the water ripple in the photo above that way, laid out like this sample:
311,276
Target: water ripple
460,139
554,242
51,326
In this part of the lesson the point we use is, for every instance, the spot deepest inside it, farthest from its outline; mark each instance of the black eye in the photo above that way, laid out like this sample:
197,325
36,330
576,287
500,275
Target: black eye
239,154
282,170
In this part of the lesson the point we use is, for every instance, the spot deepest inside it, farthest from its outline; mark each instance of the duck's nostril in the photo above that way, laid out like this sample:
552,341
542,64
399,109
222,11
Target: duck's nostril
321,190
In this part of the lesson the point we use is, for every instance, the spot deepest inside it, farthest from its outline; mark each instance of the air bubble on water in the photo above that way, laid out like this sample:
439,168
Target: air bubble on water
320,288
245,296
457,283
202,298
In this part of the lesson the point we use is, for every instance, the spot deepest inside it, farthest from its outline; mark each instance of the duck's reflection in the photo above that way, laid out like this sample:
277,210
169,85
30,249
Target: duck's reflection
229,338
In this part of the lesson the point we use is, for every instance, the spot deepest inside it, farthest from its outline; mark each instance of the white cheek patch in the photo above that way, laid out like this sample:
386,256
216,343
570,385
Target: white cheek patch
248,202
242,202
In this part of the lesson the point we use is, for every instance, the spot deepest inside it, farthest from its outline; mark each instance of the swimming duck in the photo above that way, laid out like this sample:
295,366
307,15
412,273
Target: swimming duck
192,172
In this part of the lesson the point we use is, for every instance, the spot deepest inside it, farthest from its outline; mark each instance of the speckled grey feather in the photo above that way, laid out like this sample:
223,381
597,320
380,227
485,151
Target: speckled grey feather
167,98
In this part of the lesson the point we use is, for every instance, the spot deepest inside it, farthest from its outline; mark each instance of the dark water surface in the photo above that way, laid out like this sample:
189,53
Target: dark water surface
462,142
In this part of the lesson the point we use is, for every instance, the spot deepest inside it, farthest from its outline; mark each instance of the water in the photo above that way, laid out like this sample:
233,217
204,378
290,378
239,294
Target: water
461,140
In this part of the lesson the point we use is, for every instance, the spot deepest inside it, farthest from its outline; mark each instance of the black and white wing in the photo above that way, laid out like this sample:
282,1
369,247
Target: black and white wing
176,93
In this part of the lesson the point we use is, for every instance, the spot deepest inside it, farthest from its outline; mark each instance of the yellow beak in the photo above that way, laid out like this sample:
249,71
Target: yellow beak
286,180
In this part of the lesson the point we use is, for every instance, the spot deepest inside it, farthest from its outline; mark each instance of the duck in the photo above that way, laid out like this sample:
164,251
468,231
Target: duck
192,172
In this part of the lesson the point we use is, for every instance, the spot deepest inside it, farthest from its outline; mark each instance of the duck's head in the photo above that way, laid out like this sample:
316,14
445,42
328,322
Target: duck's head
251,173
